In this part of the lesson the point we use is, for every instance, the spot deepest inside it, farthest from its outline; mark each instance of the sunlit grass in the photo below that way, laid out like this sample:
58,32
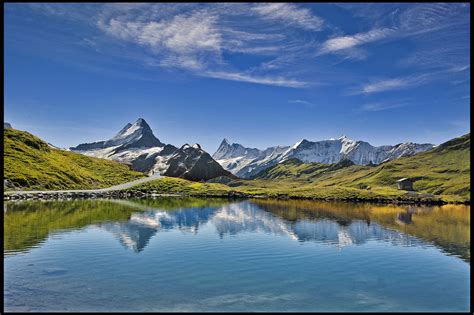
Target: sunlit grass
29,163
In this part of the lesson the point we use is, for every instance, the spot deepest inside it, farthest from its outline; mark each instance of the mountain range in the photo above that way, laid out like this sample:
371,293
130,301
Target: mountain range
439,174
136,145
248,162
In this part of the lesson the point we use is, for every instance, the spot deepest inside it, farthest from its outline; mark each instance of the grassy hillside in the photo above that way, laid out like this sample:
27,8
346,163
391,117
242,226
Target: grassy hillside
30,163
173,185
444,170
296,169
444,173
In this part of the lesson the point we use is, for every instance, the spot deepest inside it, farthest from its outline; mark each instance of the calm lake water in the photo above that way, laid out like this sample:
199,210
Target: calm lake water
215,255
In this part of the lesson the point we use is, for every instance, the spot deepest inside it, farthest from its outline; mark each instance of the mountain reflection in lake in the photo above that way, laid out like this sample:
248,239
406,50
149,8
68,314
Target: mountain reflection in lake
249,238
245,217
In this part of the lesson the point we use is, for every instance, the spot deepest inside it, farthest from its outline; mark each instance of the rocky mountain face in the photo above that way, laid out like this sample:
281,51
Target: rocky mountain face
247,162
137,146
7,126
193,163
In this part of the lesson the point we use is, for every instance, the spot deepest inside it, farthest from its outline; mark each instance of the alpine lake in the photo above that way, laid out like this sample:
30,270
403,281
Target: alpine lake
190,254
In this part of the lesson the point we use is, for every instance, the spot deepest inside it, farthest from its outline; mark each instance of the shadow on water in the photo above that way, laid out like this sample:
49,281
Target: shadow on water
134,222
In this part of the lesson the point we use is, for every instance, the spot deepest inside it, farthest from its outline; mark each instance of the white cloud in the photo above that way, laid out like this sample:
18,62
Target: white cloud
346,42
195,41
200,38
459,68
251,43
184,37
303,102
290,14
375,107
385,85
404,82
266,80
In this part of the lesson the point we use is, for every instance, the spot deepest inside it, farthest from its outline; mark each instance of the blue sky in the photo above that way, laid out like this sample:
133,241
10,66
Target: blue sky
257,74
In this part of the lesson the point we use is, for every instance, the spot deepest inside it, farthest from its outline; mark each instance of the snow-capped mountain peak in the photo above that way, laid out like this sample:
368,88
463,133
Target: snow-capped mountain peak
246,162
228,151
136,145
132,132
301,142
136,135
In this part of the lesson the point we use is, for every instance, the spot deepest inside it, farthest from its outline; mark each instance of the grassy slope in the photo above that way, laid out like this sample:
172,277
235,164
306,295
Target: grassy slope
292,169
295,169
29,163
173,185
445,171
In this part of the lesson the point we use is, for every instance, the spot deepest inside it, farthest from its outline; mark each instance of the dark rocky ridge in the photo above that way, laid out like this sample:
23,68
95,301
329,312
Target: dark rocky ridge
193,163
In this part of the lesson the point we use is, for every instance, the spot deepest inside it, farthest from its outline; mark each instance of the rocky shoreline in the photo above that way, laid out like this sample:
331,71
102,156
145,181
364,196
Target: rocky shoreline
141,194
117,194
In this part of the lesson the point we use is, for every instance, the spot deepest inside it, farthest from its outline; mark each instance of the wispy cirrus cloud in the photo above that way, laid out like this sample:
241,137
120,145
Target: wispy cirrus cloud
453,56
290,14
195,41
429,17
302,102
185,39
383,85
394,23
376,107
265,80
270,43
248,42
351,41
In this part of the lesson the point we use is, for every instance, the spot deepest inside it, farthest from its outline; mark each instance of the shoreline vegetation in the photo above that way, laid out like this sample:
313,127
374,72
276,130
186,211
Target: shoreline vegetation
35,170
181,188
